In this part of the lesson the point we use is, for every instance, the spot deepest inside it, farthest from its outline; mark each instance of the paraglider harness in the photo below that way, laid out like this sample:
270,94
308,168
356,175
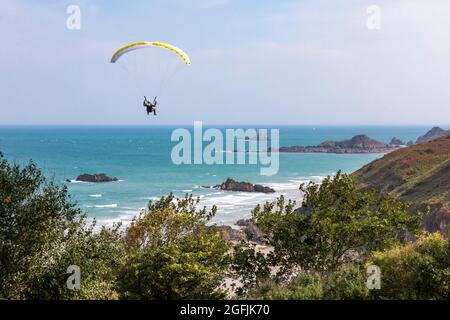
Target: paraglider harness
151,107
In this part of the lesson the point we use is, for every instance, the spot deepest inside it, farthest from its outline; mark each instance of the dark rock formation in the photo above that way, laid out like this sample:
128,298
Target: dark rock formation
358,144
233,185
396,142
252,231
97,177
434,133
231,234
409,143
247,231
305,210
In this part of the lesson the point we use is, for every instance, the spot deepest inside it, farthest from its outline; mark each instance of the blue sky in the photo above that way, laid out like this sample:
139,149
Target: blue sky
253,62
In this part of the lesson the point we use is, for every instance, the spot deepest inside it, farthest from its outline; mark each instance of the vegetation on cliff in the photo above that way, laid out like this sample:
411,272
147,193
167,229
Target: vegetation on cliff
170,251
418,173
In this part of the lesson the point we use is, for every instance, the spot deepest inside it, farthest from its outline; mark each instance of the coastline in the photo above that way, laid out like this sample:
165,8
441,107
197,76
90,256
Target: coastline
140,158
232,205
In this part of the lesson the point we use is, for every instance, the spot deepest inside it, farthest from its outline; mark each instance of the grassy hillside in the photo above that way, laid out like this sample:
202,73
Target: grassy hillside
419,173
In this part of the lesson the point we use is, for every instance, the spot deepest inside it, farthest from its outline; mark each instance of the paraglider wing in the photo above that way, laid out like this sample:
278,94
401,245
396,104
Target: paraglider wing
145,44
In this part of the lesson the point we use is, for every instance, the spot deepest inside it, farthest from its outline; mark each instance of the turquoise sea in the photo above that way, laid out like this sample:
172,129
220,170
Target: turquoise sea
140,157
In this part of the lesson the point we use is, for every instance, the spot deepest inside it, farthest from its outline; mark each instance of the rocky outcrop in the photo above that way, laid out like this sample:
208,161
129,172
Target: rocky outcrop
358,144
396,142
253,233
230,234
233,185
434,133
246,231
97,177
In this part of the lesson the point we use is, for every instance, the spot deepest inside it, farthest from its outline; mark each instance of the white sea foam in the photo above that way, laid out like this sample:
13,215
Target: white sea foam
125,218
99,195
75,181
212,194
113,205
232,206
150,198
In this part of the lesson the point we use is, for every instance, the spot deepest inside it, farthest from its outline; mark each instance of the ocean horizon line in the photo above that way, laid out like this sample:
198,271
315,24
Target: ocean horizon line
222,125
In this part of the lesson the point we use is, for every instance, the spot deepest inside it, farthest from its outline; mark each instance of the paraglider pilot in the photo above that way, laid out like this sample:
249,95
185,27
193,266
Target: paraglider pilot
150,106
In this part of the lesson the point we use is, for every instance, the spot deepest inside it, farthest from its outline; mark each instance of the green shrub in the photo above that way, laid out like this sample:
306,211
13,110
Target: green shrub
42,233
173,254
419,270
347,283
335,219
305,286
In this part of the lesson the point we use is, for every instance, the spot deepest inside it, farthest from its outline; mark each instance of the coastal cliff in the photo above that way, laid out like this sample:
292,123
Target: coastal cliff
418,173
434,133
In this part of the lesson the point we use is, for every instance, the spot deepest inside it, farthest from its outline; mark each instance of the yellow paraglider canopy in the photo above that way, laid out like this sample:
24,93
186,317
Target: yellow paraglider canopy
146,44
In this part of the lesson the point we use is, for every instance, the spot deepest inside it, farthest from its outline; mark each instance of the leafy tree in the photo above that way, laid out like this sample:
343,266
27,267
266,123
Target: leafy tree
168,251
41,234
419,270
173,254
334,221
250,265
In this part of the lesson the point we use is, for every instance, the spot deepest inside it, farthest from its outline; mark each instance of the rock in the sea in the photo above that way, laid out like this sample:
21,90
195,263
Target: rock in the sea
233,185
97,177
258,137
396,142
409,143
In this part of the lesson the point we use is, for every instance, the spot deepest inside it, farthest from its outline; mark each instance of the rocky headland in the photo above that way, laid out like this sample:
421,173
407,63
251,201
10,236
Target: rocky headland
358,144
